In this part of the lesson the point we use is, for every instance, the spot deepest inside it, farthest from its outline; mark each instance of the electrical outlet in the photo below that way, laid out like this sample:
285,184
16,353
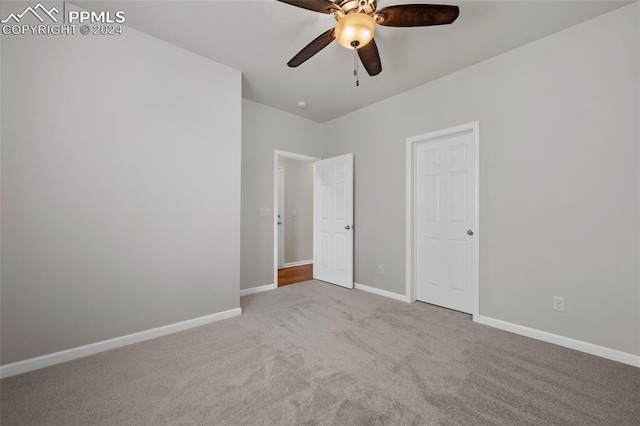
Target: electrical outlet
294,212
558,304
380,270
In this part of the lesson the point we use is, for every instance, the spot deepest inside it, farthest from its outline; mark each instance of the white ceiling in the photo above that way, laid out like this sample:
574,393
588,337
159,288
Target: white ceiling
258,37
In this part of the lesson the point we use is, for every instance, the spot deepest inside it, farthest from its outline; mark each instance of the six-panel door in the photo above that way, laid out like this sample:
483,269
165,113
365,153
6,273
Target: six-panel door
333,210
445,216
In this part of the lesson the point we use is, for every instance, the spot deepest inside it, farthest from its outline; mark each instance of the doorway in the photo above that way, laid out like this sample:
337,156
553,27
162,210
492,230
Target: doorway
443,218
293,198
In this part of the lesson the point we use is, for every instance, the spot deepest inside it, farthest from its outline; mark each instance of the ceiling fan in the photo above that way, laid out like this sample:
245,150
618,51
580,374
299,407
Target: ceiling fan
357,21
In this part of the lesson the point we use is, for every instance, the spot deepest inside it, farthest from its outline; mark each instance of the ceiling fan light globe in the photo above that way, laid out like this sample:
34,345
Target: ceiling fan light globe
355,27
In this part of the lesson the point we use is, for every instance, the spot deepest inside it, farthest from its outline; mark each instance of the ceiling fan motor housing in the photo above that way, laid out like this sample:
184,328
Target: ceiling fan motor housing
361,6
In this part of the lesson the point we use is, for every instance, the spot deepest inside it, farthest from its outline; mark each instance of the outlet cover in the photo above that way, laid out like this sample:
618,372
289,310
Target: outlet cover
558,304
380,270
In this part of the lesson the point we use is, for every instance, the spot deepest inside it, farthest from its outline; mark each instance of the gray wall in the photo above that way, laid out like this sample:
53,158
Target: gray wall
120,189
298,229
559,180
265,129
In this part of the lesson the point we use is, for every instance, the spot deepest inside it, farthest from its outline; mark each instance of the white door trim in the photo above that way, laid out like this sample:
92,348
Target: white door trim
410,284
294,156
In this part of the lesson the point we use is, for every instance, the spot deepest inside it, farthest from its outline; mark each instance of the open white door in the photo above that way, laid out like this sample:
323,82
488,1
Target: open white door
280,213
333,221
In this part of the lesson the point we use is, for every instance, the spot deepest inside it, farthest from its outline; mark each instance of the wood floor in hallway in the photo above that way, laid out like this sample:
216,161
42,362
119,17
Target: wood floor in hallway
295,274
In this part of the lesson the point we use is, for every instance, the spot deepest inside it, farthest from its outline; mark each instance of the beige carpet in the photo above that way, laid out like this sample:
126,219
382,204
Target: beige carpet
314,353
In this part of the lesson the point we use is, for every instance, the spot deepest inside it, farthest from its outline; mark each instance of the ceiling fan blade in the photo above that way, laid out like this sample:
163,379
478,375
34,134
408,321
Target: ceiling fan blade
322,6
312,48
370,58
418,15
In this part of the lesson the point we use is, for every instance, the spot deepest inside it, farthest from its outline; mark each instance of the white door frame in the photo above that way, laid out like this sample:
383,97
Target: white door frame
276,155
410,283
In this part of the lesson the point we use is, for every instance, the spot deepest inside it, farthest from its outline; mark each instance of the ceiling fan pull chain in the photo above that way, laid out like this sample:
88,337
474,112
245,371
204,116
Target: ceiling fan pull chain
355,66
355,63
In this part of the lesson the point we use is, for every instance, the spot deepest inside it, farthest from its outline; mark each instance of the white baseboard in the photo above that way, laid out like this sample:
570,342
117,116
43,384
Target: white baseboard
259,289
578,345
298,263
385,293
94,348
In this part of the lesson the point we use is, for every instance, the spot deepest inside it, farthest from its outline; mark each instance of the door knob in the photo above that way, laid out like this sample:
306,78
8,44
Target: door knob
469,232
347,227
279,223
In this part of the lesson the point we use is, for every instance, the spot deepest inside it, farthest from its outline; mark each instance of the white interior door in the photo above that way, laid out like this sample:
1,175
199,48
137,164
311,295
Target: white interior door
333,221
281,217
445,197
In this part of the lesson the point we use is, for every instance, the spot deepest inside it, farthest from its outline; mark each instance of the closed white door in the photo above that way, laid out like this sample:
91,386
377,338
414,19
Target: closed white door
446,255
333,221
